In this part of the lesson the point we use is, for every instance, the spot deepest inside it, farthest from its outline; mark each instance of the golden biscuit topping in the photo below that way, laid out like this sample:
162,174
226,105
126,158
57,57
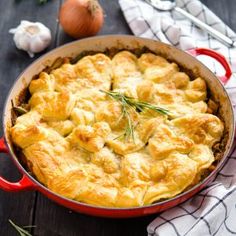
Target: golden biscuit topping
118,132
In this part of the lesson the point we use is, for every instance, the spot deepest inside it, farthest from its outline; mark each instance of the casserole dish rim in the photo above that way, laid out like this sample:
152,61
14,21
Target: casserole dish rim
40,186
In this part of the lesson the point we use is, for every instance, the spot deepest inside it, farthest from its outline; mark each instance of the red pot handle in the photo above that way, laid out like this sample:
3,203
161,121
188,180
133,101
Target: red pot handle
219,57
24,184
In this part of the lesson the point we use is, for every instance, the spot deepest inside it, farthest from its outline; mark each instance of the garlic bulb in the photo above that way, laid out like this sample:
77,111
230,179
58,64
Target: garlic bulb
31,37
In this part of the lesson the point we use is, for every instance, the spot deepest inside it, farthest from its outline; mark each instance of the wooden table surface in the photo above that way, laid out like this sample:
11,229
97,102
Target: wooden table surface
32,208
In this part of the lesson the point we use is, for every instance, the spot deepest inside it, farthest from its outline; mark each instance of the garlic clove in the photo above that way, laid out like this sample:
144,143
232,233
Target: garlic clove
32,37
36,45
21,43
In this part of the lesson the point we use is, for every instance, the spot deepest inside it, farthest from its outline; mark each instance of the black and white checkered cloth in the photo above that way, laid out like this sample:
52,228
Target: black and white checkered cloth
213,210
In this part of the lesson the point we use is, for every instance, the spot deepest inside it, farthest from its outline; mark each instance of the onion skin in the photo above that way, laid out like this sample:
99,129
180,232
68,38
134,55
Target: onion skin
81,18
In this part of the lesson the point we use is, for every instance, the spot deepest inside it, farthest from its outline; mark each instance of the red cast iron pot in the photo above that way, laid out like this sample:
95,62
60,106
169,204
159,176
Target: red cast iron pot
184,59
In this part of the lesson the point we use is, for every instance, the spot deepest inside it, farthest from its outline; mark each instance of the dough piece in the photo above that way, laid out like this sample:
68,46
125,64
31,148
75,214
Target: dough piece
203,155
28,129
62,127
201,128
82,117
95,71
46,159
164,94
66,79
126,73
120,145
196,90
159,74
97,195
148,126
134,169
90,138
53,106
106,159
130,197
149,59
180,80
25,136
166,141
179,172
146,91
44,83
111,112
184,108
124,64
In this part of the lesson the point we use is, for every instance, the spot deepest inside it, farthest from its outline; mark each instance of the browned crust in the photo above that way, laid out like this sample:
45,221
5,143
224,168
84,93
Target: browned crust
24,95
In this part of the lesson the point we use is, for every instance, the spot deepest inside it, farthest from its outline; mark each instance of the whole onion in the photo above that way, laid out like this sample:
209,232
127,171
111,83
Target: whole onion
81,18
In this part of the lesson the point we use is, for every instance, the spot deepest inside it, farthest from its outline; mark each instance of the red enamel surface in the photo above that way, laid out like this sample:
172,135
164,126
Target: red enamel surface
3,147
220,58
24,184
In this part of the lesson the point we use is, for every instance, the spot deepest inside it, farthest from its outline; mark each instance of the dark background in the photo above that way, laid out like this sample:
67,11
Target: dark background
32,208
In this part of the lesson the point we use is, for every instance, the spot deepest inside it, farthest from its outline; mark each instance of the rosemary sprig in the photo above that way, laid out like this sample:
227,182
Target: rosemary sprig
21,231
129,128
20,110
138,106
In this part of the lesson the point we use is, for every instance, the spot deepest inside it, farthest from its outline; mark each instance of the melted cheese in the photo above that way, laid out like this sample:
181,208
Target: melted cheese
73,135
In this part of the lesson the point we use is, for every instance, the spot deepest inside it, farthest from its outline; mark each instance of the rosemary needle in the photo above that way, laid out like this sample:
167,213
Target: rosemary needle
21,231
130,102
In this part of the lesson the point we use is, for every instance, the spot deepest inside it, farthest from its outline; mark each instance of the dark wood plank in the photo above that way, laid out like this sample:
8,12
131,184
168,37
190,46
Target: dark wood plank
18,207
52,219
114,20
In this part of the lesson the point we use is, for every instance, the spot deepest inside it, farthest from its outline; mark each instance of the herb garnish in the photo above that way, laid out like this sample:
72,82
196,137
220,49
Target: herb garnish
20,110
128,102
22,231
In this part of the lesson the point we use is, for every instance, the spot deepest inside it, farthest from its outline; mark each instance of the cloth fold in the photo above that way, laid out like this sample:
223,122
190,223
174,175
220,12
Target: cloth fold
213,210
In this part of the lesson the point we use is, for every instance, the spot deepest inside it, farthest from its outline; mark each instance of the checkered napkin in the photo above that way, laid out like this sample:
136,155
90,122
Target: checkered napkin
213,210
